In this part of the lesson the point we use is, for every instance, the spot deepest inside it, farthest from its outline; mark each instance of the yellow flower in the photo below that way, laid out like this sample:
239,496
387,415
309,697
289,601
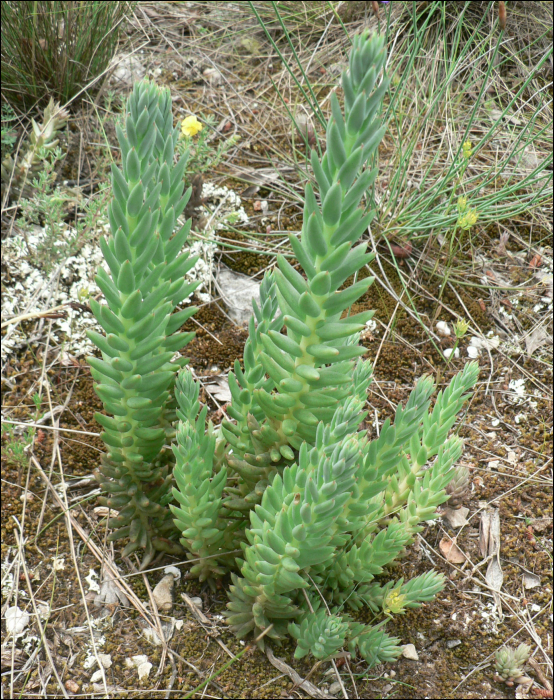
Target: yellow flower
467,150
462,204
191,126
394,602
460,328
467,219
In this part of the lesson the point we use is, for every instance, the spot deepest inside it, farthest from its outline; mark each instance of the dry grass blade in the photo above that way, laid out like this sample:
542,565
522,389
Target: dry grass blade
312,690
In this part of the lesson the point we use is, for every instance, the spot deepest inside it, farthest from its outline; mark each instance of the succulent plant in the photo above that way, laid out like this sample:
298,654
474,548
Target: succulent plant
321,634
458,488
315,509
510,662
136,375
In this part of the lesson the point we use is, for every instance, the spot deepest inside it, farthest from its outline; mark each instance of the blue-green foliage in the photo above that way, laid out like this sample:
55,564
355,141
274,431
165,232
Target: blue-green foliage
313,508
322,510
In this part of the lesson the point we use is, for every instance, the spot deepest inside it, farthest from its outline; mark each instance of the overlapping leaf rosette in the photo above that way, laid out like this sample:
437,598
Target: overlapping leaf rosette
294,380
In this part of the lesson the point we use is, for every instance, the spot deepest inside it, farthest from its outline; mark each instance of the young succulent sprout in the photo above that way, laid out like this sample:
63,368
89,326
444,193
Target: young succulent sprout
458,488
510,663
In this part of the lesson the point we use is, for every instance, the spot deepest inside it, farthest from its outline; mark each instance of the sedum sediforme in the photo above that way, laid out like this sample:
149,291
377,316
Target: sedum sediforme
136,375
315,509
510,662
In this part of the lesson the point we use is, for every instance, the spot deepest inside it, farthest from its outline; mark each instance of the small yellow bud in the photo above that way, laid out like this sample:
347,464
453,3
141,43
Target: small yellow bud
460,328
467,150
394,602
462,204
191,126
468,219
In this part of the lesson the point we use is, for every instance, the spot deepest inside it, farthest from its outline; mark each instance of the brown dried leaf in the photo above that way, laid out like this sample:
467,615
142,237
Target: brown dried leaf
250,192
455,517
541,524
402,251
261,176
450,551
501,247
219,389
305,129
531,580
489,544
110,596
538,337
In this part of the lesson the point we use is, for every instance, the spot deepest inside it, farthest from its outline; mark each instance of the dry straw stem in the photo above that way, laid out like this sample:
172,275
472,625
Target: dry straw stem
63,504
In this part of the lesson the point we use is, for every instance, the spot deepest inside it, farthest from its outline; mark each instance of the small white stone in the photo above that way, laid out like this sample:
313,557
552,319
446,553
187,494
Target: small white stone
105,660
448,352
137,660
163,593
151,636
141,663
409,652
16,620
143,670
443,328
472,352
173,570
